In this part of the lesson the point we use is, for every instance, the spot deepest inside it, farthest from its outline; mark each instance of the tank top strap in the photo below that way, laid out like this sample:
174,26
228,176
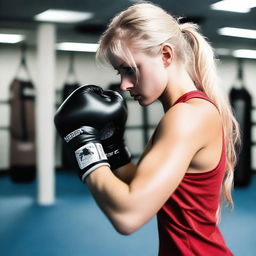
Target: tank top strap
193,94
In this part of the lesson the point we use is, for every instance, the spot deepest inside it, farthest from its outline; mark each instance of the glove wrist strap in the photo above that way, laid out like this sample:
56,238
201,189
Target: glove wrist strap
89,157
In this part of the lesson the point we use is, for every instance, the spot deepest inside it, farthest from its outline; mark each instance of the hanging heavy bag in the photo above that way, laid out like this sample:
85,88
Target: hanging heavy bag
22,130
241,102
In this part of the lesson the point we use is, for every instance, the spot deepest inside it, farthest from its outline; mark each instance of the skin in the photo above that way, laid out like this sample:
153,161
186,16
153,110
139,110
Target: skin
182,143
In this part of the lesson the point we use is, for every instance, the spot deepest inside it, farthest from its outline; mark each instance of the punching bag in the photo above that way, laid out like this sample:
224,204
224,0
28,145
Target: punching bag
22,129
241,102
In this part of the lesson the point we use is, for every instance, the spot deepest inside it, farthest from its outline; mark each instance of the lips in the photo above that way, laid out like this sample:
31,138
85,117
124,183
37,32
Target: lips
136,96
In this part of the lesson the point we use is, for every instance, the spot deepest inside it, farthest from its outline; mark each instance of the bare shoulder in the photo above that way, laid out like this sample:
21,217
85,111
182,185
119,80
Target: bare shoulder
195,119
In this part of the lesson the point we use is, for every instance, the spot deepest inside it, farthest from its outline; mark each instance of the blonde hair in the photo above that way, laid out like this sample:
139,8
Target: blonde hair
147,27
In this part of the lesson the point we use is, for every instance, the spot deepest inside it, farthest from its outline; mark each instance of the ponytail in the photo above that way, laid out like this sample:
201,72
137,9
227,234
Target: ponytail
202,68
201,58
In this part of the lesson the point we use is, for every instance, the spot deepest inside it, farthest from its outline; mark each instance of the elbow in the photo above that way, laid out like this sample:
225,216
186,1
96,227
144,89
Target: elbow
125,229
126,225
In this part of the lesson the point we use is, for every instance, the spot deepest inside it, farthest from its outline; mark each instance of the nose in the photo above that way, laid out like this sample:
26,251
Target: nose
126,84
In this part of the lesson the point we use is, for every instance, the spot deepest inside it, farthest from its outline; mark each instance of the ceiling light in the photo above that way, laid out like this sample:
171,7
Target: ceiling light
244,53
234,5
63,16
223,51
79,47
237,32
11,38
135,1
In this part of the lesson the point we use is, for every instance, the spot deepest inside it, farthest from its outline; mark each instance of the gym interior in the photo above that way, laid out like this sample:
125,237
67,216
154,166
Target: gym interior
45,209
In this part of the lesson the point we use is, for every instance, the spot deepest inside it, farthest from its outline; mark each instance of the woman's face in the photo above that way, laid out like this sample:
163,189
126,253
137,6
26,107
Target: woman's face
151,81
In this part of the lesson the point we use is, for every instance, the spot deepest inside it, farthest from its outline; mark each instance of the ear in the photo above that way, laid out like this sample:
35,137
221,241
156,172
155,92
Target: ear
167,54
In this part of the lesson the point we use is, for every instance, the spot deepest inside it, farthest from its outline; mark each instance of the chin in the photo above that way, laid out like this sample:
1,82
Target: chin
145,102
142,103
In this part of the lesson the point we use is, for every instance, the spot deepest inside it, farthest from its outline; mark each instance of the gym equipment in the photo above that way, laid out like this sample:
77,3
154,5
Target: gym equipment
241,102
22,128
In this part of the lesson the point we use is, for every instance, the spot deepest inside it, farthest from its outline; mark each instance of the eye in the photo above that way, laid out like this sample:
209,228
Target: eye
129,70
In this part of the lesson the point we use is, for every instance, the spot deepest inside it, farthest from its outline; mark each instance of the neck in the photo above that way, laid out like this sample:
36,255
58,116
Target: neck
179,83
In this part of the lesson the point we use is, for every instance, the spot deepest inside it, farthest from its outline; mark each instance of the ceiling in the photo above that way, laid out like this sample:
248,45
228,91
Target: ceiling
16,16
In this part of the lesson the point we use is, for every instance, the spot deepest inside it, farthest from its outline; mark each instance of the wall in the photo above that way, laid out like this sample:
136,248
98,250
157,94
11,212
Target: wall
87,71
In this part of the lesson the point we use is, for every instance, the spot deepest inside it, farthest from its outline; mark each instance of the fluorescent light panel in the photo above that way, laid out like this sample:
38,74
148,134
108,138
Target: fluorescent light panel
239,53
11,38
223,51
79,47
63,16
245,53
237,32
234,5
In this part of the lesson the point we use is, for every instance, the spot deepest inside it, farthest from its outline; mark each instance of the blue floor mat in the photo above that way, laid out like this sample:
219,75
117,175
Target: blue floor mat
75,226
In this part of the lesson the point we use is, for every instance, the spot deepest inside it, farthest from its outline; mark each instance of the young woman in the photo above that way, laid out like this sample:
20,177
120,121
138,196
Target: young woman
189,161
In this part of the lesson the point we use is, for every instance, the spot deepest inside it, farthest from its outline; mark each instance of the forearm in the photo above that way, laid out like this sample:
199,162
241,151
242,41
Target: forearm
104,186
127,205
114,198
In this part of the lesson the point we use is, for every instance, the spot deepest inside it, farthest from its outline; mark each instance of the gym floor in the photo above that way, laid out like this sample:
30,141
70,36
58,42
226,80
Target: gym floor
75,226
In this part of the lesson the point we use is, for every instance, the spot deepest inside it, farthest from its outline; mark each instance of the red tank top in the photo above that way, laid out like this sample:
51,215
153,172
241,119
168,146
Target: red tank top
187,222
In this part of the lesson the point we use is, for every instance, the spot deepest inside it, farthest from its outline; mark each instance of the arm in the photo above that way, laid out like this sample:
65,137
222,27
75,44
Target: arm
157,175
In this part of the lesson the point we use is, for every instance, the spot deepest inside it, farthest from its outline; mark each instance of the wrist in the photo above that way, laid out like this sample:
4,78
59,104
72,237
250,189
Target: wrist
89,157
98,176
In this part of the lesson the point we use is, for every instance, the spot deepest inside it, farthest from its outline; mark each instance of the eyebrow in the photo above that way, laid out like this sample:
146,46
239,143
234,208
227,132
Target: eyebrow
123,65
126,66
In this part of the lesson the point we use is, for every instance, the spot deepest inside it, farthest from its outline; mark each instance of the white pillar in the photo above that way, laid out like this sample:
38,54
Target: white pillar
45,108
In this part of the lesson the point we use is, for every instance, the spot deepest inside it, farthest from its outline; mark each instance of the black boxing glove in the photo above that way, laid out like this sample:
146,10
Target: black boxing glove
112,135
76,122
87,117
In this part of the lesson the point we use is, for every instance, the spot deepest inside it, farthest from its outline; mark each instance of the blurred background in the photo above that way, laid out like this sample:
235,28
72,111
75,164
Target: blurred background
47,49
